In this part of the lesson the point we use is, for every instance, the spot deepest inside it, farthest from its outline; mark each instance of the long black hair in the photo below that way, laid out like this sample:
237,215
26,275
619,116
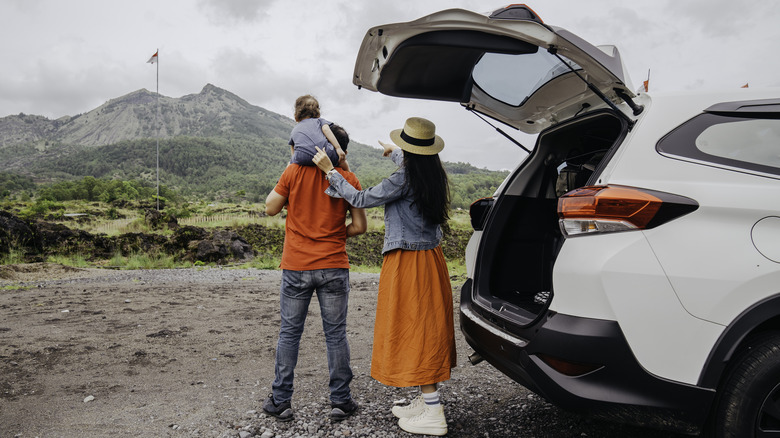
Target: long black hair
427,180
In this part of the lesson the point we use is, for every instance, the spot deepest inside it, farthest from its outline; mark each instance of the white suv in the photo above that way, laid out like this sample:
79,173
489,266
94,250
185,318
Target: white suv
629,268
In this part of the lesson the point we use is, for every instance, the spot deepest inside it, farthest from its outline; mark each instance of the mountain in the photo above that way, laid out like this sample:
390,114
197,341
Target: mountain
212,112
211,144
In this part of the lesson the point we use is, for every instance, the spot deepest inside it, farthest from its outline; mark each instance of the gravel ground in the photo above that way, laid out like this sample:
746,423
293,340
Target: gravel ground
189,353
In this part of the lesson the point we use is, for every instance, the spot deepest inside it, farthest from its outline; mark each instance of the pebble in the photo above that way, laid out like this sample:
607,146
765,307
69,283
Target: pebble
89,398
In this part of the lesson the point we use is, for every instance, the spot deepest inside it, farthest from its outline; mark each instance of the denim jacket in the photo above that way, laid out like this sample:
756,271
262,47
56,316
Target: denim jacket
405,226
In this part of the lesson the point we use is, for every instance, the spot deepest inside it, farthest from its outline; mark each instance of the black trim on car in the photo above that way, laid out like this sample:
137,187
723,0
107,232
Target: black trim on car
619,390
763,315
681,142
762,108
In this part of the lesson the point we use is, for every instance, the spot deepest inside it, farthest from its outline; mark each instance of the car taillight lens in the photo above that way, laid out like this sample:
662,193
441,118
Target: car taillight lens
608,209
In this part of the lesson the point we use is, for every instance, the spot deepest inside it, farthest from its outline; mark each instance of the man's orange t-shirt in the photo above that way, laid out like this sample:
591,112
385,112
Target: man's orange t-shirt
315,230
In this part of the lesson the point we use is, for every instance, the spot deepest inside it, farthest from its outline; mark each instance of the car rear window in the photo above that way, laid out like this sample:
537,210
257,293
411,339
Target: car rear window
737,142
513,78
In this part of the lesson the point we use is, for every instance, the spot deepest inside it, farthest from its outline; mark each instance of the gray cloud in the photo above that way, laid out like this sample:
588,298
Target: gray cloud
229,12
64,58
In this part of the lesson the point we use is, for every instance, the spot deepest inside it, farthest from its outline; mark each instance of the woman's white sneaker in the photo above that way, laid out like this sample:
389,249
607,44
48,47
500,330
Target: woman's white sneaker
413,409
430,421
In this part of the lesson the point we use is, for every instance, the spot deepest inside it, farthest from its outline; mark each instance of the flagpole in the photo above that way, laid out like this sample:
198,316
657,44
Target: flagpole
157,122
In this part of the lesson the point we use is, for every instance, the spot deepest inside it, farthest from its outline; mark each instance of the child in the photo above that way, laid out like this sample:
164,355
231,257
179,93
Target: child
312,131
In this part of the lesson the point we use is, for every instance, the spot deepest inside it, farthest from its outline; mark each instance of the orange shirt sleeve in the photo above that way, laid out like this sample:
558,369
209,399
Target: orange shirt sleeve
283,185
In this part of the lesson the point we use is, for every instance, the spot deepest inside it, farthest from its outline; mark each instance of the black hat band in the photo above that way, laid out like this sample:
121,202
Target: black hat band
417,141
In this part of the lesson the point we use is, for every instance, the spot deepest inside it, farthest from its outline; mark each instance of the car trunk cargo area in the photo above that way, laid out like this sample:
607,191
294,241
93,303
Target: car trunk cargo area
522,239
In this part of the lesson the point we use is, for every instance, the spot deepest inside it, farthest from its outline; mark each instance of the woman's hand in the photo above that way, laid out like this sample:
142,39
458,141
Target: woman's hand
322,161
389,148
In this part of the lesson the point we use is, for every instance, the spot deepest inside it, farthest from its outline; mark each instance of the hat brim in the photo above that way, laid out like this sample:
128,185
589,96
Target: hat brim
435,148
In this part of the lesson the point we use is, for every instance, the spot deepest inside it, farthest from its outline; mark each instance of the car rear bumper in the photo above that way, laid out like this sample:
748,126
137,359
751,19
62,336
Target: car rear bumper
619,390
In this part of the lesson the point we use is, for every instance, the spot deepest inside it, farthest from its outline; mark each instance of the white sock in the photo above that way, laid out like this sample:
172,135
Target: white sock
432,398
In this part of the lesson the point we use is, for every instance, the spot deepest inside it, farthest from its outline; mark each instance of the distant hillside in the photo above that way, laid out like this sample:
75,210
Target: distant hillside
212,112
212,144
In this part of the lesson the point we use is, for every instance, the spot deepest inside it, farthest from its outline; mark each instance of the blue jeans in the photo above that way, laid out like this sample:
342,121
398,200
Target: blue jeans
332,287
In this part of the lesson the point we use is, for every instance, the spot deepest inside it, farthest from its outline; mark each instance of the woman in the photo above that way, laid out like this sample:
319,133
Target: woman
414,341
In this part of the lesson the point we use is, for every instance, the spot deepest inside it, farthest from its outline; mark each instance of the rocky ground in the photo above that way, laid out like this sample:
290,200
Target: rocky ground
189,353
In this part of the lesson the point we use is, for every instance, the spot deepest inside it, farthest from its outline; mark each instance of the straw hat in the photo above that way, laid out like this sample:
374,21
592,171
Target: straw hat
418,137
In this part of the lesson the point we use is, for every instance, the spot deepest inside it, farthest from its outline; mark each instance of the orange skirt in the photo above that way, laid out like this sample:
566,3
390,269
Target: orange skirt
414,333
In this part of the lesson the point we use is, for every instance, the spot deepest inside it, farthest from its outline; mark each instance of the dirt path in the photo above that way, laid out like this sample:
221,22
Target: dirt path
90,353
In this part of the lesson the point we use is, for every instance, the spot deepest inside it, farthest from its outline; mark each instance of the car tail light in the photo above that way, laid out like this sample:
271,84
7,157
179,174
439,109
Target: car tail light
608,209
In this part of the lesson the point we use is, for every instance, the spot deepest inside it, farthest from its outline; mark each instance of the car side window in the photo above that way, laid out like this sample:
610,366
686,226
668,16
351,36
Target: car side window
740,143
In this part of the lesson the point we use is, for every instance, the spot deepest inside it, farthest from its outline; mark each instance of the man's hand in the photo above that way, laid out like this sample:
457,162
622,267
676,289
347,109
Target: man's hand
322,161
389,148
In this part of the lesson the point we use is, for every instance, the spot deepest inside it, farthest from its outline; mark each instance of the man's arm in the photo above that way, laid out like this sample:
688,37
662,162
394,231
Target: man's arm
274,203
359,222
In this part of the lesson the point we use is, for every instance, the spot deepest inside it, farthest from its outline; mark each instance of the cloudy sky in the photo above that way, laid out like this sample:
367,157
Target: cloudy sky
68,57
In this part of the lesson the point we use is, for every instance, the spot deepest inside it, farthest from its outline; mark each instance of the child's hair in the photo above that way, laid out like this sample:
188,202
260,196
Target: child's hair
341,135
306,107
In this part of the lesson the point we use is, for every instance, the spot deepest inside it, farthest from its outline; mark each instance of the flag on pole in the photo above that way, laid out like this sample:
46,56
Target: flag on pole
153,59
645,84
745,86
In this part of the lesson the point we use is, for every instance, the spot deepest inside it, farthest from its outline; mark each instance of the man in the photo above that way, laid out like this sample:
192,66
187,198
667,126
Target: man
314,259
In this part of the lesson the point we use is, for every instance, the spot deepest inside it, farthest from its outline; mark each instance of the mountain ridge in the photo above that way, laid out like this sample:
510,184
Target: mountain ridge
210,142
132,116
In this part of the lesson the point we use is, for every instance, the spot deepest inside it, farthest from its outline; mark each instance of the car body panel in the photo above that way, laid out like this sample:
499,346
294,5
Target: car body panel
625,282
621,389
558,100
731,203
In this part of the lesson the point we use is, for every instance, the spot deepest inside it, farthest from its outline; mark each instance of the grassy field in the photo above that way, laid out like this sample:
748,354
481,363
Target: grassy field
114,220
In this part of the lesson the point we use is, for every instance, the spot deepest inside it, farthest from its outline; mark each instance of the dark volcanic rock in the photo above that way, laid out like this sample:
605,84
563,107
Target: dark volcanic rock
39,239
157,220
183,236
221,246
59,239
15,233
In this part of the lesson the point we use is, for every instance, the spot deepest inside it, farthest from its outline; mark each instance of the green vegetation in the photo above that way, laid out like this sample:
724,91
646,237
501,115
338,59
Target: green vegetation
151,260
104,190
265,234
11,183
88,184
75,260
235,169
14,287
13,257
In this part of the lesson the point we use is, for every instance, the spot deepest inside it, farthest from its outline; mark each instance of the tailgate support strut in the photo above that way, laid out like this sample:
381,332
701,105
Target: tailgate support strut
636,108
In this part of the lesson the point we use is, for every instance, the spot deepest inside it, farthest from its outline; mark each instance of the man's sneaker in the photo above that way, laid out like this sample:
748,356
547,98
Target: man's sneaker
413,409
282,411
430,421
340,411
